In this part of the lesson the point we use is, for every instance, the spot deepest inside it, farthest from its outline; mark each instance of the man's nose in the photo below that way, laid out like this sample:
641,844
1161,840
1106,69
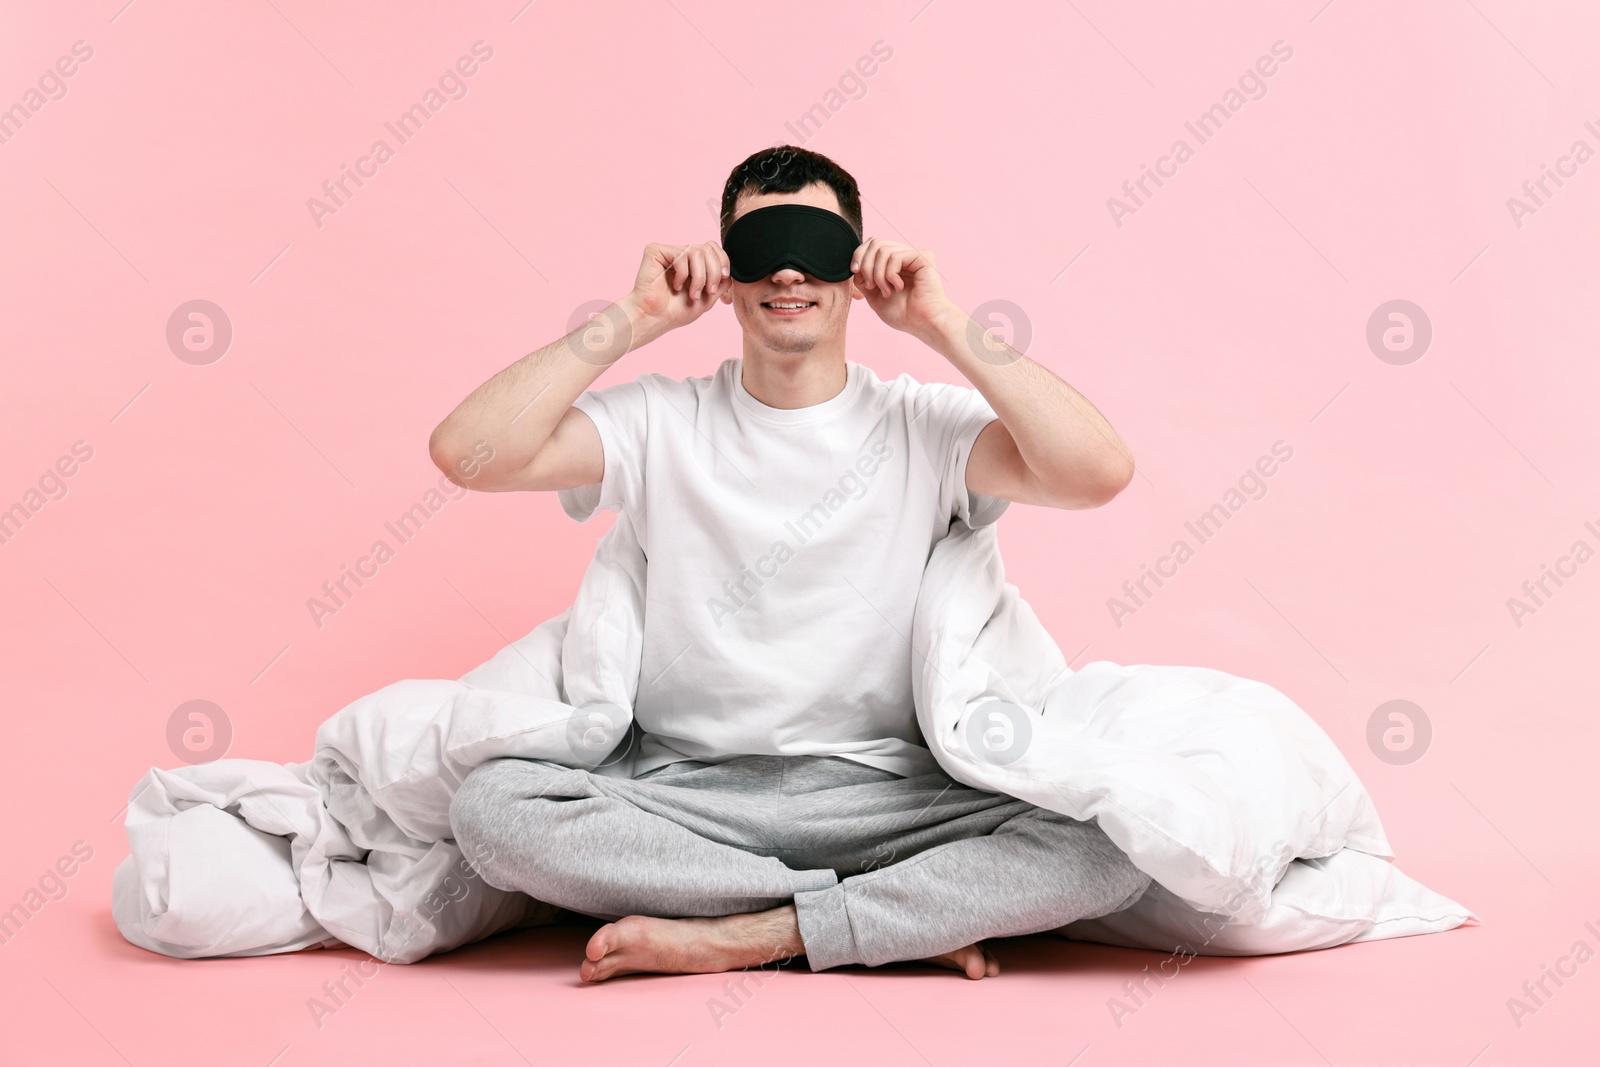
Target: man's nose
788,276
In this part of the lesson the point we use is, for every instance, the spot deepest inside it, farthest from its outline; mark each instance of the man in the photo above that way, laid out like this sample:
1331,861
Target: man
782,801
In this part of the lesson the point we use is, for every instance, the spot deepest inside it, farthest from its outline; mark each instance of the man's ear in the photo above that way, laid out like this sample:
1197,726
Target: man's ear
856,294
727,295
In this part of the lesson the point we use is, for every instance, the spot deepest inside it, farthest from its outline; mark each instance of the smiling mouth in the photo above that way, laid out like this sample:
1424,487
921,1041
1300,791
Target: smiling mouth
788,308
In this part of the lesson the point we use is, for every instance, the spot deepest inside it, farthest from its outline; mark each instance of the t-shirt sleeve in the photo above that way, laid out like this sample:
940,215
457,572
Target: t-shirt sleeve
618,412
949,419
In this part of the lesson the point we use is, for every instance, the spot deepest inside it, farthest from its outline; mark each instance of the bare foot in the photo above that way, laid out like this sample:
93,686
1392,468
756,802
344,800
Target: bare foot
973,960
639,943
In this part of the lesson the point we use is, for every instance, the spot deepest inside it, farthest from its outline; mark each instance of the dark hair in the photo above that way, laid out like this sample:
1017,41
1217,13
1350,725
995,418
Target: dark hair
787,169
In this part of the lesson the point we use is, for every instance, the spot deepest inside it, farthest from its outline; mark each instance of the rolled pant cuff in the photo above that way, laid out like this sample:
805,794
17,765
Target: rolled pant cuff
825,928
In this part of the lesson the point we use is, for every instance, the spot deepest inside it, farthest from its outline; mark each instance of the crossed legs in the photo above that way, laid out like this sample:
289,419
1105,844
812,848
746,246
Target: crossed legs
712,867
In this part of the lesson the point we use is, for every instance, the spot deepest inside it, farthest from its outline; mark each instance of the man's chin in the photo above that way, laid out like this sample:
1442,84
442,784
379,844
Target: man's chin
782,340
793,347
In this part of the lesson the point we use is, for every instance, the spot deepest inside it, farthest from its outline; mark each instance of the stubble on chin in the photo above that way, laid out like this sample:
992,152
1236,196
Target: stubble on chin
792,345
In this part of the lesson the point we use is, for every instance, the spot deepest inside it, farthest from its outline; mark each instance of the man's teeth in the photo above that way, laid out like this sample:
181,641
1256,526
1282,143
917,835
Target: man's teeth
788,304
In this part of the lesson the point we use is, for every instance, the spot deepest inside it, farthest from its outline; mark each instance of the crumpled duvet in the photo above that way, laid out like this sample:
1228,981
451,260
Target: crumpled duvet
1257,833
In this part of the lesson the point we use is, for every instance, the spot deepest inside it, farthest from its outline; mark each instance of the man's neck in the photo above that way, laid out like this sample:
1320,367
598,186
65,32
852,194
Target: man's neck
796,381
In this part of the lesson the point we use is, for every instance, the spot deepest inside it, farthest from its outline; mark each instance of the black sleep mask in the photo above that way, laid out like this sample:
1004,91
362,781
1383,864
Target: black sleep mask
808,239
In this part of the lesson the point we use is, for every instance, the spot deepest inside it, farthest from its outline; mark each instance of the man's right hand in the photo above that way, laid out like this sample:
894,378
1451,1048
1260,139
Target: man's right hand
524,415
676,284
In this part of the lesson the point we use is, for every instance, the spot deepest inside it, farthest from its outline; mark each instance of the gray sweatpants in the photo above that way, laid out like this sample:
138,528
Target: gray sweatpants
927,864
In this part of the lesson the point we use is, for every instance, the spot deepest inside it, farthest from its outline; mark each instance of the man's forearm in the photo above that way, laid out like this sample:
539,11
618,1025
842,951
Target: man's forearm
1066,443
516,410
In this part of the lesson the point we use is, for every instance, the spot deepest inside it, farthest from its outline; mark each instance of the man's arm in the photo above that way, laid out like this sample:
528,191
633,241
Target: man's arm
536,439
1049,446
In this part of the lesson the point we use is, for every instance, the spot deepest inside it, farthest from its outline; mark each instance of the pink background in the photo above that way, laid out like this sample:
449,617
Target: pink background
1227,313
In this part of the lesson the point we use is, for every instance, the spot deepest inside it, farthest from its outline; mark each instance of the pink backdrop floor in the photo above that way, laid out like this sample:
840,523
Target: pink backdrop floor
1217,314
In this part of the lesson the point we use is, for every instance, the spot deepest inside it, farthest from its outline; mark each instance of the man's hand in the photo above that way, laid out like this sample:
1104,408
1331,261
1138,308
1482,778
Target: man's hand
524,414
902,285
676,284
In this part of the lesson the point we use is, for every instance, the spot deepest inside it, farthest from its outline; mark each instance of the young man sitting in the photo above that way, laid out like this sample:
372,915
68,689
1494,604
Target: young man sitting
782,800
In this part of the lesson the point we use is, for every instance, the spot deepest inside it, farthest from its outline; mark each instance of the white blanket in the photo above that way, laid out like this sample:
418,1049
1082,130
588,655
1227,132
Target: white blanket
1258,834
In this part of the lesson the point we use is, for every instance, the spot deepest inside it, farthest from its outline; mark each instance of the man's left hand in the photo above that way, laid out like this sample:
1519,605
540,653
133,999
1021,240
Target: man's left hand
902,285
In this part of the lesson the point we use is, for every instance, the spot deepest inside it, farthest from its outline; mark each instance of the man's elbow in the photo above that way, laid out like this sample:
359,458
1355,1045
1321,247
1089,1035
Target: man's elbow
1096,490
446,455
463,464
1117,479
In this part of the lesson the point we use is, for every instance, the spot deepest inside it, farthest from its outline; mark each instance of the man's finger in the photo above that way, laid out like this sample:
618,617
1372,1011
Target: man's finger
892,270
697,272
713,268
665,255
680,270
869,261
719,270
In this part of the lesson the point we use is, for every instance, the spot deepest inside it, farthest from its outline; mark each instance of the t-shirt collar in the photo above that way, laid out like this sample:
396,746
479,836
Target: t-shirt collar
814,413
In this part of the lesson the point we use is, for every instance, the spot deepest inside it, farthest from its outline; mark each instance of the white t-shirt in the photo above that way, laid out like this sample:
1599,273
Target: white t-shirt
784,549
